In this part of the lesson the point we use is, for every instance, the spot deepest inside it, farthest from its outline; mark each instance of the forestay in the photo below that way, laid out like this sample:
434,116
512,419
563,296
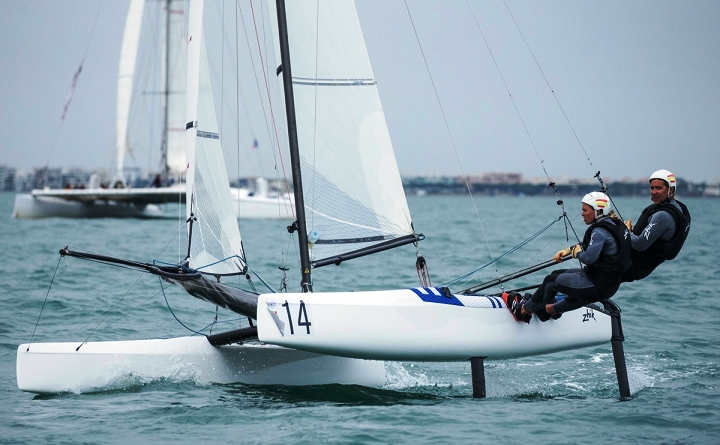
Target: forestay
351,184
215,246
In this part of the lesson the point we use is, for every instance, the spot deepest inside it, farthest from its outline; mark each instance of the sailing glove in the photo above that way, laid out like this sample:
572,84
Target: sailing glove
576,250
560,254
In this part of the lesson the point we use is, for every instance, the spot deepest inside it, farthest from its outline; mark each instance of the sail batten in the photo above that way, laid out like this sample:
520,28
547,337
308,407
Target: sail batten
334,82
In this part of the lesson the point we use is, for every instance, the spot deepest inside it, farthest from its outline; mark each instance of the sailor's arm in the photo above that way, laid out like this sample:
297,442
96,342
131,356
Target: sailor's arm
660,225
598,237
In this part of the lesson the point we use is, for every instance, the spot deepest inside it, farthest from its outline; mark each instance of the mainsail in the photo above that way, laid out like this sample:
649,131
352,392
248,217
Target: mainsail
126,73
351,184
175,67
215,245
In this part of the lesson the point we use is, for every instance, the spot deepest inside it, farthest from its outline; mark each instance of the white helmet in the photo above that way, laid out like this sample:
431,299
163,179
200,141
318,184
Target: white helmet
597,200
666,176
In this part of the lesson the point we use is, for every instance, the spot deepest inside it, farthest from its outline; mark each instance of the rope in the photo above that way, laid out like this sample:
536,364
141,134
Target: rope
468,276
173,313
199,332
452,141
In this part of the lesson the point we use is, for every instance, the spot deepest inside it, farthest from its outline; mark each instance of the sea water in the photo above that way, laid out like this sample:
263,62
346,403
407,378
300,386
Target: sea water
670,322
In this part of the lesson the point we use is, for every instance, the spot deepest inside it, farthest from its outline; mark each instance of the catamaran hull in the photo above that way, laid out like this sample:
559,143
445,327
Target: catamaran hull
58,367
247,206
29,206
419,325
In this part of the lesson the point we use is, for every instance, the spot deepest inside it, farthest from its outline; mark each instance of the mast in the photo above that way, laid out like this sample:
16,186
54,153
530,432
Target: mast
299,225
166,93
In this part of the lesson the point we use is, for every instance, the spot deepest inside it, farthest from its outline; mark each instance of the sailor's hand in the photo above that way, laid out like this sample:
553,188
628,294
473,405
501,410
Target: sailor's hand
577,249
560,254
629,225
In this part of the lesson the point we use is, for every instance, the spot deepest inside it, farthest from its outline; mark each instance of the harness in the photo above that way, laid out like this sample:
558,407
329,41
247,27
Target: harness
666,249
644,262
606,272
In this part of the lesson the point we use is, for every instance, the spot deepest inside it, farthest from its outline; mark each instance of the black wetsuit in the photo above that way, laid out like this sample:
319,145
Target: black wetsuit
606,255
658,235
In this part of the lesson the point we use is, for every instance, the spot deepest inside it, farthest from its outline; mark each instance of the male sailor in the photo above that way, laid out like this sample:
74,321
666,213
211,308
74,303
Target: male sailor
604,254
661,229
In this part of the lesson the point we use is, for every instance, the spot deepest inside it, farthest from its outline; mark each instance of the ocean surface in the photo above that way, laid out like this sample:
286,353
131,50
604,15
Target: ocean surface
670,322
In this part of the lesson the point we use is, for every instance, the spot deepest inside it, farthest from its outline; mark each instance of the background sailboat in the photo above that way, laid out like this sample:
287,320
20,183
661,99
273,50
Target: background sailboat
117,199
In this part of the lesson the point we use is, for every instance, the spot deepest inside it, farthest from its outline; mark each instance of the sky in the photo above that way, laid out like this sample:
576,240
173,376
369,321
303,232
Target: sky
623,87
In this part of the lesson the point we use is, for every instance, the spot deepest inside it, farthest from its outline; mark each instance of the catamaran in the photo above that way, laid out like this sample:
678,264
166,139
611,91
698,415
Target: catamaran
349,203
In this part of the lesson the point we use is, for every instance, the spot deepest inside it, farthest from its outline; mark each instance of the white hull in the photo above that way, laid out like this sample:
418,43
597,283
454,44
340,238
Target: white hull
402,325
29,206
57,367
260,206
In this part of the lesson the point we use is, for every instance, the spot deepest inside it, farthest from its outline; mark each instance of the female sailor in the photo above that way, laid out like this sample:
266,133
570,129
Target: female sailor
604,255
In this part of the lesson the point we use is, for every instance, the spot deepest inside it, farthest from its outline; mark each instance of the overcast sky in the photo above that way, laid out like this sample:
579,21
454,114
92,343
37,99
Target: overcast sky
639,82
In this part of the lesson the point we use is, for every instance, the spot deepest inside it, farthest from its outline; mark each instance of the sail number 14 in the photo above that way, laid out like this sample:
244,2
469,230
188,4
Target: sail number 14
302,318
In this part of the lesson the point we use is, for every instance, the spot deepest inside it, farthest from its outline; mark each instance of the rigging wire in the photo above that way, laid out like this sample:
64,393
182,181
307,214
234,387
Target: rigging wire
272,113
452,140
259,90
557,101
548,84
470,275
284,255
44,301
551,183
132,310
273,141
109,311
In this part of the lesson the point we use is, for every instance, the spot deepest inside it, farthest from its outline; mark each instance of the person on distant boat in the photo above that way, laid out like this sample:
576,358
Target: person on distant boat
661,229
605,255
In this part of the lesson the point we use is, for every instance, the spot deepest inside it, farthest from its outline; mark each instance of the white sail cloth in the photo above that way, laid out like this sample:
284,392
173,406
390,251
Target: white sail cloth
215,245
126,74
173,63
176,84
351,184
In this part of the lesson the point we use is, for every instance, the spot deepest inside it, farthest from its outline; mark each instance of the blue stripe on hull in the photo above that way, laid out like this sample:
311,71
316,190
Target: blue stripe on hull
427,295
435,295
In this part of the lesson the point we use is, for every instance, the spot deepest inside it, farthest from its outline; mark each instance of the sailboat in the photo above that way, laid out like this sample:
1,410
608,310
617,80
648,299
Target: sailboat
215,248
349,203
118,200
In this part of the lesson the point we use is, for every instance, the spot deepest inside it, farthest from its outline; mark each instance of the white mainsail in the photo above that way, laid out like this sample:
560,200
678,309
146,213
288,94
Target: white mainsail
177,82
351,184
126,73
215,247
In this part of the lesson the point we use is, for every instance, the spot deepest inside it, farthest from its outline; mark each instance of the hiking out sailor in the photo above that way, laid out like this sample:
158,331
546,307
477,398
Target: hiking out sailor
661,229
604,254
